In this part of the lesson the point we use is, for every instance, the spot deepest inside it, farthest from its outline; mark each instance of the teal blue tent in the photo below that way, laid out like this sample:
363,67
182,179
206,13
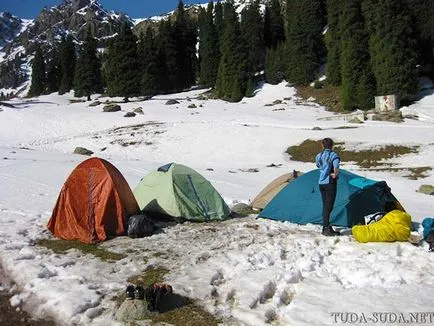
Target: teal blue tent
300,201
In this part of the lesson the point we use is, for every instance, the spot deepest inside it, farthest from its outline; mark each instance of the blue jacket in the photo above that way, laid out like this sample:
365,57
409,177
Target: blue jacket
326,161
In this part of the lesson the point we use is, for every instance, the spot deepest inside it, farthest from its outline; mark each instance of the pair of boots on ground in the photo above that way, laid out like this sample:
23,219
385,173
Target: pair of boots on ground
152,293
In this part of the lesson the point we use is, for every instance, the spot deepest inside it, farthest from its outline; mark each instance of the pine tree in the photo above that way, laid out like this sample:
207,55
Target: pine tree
304,40
38,74
163,53
209,53
185,40
392,44
148,56
121,71
232,72
422,15
275,64
218,19
87,79
67,62
333,42
250,89
54,72
252,30
358,88
274,28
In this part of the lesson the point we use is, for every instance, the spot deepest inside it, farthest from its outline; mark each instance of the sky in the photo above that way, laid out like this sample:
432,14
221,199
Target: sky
134,8
247,271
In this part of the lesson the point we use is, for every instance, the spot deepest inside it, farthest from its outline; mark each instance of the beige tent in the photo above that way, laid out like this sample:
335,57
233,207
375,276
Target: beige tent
272,189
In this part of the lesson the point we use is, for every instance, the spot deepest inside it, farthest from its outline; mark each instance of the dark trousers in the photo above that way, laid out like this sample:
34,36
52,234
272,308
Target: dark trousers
328,195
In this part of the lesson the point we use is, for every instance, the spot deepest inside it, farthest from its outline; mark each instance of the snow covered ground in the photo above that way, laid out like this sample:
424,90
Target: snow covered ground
248,271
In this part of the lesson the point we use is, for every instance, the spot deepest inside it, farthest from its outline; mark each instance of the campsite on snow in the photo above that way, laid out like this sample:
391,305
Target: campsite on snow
165,171
244,270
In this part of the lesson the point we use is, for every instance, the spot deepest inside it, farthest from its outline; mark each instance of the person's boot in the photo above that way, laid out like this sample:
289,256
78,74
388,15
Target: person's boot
334,231
329,232
139,293
129,292
431,247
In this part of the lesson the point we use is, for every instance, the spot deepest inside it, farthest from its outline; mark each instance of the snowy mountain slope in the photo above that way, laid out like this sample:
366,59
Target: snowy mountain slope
246,271
70,17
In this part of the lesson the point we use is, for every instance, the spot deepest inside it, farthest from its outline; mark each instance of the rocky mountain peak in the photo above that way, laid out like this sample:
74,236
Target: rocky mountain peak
9,27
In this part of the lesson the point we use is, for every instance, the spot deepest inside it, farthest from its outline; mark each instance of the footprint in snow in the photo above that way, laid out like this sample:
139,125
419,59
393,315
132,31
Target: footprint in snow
268,292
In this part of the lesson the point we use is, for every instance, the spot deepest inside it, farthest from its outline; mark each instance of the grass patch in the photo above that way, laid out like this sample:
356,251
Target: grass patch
159,254
306,152
346,127
252,226
188,315
414,173
151,275
328,96
60,246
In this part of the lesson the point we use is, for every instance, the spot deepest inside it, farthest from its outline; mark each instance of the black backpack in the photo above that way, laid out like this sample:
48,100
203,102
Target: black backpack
140,226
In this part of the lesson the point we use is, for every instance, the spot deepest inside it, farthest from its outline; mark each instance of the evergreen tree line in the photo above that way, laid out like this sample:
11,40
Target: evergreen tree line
370,47
63,71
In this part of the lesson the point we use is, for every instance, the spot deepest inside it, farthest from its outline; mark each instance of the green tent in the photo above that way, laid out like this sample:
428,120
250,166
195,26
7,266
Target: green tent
181,192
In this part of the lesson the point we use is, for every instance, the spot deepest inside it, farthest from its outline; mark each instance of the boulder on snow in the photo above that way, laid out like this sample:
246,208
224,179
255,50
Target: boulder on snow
426,189
82,151
172,102
112,108
133,310
96,103
243,209
138,110
129,115
391,116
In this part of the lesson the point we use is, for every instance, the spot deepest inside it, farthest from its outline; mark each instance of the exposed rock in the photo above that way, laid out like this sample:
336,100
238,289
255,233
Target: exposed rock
138,110
172,102
355,120
243,209
426,189
316,128
133,310
192,106
96,103
112,108
272,165
129,115
391,116
251,170
82,151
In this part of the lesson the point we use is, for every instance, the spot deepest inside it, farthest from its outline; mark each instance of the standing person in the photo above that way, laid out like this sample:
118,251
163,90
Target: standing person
327,162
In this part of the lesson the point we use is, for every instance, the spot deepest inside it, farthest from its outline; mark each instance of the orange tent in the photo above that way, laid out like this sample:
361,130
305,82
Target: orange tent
94,203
